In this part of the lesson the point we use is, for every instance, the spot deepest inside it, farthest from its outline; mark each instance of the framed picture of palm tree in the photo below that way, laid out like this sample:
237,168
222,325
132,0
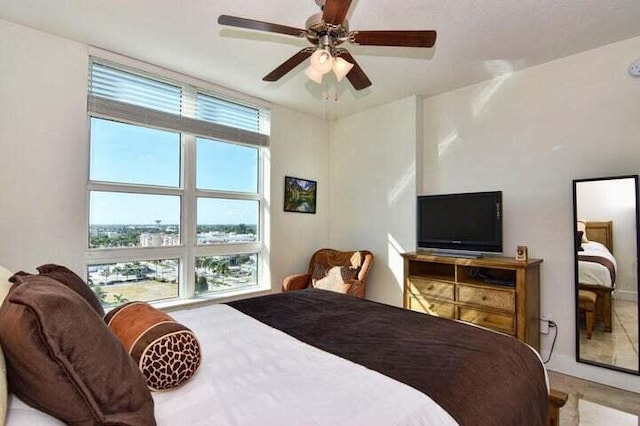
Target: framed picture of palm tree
300,195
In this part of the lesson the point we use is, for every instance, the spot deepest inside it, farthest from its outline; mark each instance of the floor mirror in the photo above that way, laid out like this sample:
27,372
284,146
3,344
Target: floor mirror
605,213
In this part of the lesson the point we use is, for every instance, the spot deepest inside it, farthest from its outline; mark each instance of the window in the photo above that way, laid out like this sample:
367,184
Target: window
126,153
150,280
226,272
174,190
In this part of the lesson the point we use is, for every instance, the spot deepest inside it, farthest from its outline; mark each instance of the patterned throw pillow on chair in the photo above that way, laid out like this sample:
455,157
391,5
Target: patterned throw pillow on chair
334,278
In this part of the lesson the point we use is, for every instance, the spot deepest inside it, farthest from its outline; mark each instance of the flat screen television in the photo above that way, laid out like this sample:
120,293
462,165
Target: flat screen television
460,224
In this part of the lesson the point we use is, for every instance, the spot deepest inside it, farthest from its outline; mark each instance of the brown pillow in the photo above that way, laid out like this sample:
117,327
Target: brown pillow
579,240
74,282
63,360
167,353
67,277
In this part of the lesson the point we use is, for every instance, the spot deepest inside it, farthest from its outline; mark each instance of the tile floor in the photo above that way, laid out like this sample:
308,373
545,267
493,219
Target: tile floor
620,347
593,404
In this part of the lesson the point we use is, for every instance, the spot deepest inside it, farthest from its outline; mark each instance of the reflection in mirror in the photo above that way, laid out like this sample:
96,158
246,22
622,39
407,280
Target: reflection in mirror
606,244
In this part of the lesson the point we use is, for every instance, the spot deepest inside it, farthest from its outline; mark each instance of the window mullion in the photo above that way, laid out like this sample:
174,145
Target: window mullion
189,216
135,189
118,255
189,198
227,195
226,249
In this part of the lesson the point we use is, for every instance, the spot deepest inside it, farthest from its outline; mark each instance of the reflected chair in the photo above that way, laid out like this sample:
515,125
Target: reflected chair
334,270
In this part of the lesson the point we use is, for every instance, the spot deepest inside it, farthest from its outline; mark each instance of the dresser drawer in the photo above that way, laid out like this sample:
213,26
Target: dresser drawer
493,298
492,320
432,307
431,288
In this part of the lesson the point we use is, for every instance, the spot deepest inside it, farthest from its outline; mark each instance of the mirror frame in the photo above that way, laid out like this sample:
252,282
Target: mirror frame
575,269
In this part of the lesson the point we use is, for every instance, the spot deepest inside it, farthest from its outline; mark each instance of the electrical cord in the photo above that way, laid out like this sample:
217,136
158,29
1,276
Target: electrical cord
555,336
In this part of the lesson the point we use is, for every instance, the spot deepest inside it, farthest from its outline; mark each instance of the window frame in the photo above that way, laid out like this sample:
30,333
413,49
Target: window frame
188,249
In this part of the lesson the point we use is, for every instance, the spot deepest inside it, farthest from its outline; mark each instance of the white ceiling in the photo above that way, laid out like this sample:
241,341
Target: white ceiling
477,39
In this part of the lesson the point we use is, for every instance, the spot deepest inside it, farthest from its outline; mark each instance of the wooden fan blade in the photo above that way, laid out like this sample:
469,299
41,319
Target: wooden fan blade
356,76
394,38
234,21
335,11
289,64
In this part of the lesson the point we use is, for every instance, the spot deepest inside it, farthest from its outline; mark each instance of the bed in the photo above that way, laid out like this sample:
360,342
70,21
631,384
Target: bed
315,357
597,267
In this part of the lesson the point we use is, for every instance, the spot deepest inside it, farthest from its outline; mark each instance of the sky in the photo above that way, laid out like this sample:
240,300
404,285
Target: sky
124,153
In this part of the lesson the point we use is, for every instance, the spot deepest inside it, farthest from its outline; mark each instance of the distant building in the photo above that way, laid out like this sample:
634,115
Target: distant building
151,240
217,237
241,238
170,239
155,239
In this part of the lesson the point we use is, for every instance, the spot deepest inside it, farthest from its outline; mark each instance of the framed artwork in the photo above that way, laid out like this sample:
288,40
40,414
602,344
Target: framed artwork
300,195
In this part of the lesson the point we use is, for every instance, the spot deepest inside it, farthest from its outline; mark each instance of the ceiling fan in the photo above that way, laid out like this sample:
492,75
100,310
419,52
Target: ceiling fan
327,31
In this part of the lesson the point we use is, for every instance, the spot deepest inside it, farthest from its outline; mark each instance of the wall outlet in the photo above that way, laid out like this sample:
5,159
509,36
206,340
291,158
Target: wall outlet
634,68
544,326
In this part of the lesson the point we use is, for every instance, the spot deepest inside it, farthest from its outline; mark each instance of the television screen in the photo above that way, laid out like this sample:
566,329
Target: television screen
468,222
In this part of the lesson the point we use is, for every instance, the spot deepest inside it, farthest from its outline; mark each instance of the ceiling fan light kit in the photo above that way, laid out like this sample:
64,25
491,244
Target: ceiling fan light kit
313,74
326,31
341,68
321,61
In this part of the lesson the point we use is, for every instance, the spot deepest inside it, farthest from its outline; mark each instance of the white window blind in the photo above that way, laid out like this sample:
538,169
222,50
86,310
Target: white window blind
227,113
110,83
134,98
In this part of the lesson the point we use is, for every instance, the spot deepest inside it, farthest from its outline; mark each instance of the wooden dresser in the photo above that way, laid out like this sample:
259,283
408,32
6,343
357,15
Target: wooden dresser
499,293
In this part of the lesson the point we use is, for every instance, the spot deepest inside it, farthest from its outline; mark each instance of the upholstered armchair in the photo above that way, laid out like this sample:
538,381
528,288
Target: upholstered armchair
339,271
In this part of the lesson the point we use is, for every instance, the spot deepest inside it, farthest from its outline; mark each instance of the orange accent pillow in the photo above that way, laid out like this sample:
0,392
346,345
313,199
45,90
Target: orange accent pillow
167,353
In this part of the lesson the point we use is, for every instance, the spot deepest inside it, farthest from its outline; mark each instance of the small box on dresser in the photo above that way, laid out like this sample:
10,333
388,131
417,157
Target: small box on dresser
500,293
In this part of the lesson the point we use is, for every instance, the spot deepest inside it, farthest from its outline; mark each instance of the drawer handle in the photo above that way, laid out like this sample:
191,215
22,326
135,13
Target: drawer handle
484,297
431,306
430,287
485,319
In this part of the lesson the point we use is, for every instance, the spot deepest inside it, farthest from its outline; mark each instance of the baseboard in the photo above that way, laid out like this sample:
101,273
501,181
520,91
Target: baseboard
568,365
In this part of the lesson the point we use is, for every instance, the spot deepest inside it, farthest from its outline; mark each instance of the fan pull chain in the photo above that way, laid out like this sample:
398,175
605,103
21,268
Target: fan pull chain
331,100
326,92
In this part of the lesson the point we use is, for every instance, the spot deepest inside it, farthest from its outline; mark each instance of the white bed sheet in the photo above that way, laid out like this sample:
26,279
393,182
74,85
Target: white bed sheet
253,374
592,272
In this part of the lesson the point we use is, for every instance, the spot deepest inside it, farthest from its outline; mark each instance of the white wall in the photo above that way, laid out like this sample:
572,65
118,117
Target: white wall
615,201
529,134
43,132
299,148
373,190
43,153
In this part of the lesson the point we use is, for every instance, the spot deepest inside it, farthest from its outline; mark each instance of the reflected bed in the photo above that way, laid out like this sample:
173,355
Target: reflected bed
597,268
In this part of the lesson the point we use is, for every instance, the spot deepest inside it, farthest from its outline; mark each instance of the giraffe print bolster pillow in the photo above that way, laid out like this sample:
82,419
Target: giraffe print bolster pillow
167,353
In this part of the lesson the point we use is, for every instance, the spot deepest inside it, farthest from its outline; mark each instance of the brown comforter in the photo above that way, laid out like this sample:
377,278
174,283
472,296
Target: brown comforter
479,377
